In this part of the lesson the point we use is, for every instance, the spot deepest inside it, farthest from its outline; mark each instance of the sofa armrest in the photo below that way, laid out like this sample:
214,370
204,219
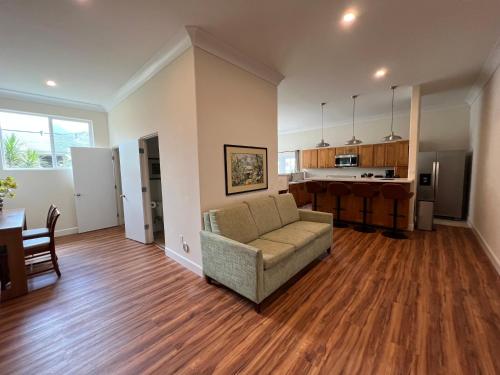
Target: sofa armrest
316,216
233,264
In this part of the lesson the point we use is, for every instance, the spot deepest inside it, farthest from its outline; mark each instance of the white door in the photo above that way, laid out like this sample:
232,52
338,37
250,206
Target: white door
132,174
94,182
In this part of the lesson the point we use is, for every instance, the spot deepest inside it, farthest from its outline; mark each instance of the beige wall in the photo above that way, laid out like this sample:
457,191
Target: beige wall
39,188
440,129
234,107
166,104
484,211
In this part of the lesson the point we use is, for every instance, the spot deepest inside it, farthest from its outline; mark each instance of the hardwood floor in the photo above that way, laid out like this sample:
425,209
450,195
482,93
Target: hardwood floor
430,305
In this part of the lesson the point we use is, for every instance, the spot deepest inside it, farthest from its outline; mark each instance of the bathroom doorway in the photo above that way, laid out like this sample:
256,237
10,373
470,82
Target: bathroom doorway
152,150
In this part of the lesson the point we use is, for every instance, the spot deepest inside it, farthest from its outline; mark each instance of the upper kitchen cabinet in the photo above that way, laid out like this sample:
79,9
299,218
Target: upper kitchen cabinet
379,155
365,153
346,150
402,152
326,157
309,159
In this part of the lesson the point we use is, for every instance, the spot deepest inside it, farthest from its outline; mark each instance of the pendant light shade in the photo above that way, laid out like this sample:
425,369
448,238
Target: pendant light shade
322,143
353,140
392,137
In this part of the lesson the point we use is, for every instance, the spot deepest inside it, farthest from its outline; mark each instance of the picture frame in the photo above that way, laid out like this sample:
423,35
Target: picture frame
245,169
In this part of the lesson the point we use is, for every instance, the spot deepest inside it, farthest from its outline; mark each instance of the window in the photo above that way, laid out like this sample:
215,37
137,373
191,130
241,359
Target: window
288,162
38,142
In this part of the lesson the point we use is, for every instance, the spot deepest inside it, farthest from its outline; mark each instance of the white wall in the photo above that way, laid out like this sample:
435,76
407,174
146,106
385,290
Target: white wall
484,210
440,129
166,105
234,107
37,189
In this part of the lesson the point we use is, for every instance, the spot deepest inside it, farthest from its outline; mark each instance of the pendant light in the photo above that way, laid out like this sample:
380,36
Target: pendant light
392,137
322,143
353,140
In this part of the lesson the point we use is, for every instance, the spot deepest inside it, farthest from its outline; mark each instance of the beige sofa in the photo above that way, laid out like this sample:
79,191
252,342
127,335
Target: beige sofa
256,246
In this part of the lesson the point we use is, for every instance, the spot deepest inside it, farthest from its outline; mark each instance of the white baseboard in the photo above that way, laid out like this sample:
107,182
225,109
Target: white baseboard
66,231
487,249
188,263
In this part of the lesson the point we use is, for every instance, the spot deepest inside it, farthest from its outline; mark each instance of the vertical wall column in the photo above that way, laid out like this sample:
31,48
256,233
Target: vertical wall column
414,136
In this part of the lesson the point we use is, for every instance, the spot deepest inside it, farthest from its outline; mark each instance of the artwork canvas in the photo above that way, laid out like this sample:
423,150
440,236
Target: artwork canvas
246,168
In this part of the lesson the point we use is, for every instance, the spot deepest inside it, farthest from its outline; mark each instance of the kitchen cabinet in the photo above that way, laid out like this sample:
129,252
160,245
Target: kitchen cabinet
390,154
346,150
326,157
309,159
365,153
401,171
379,155
402,152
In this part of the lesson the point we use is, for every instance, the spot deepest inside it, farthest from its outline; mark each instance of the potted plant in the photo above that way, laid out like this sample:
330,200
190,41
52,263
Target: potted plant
7,187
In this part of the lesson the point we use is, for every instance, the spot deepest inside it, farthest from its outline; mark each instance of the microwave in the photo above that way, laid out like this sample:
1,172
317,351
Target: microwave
346,160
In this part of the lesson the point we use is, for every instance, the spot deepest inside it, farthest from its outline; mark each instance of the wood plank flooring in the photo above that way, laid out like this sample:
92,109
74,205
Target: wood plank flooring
430,305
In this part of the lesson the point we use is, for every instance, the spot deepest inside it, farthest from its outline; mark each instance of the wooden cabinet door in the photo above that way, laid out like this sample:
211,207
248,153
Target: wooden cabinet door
326,157
309,159
351,150
391,154
340,151
402,152
365,156
401,171
379,155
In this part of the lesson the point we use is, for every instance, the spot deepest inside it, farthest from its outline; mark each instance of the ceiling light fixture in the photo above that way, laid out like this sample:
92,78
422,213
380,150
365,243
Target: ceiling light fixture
392,137
380,73
51,83
322,143
353,140
348,17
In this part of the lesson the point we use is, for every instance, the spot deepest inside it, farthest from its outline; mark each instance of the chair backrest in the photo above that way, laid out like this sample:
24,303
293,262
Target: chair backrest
49,214
395,191
313,187
365,190
339,189
53,222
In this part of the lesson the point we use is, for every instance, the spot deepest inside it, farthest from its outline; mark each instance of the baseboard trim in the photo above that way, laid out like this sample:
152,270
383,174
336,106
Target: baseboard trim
66,232
183,261
487,249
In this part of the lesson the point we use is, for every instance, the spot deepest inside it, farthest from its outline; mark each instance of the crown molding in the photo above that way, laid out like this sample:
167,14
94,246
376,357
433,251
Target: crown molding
207,42
50,100
488,69
179,43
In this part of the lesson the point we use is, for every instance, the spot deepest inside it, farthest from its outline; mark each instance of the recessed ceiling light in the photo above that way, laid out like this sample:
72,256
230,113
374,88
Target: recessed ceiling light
348,18
380,73
51,83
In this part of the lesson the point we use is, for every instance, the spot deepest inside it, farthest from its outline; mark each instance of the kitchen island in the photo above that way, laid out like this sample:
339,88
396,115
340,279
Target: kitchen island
380,208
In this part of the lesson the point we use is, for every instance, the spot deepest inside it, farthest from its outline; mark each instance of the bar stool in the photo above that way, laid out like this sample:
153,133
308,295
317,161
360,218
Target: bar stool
397,193
339,190
367,192
313,187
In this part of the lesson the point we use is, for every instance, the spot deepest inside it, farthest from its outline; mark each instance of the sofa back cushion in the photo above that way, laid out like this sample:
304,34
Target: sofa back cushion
265,214
234,222
287,208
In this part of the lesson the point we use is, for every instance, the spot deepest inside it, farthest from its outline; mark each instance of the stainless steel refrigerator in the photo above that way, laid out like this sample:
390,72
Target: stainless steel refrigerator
443,179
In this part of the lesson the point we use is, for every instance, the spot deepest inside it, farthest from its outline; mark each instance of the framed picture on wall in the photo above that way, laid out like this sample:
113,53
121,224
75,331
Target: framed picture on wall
245,168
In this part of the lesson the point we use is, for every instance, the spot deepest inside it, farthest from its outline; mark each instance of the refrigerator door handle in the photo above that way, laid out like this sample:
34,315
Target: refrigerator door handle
435,179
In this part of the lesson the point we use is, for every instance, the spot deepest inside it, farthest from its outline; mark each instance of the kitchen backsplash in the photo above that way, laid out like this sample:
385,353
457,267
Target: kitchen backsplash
344,172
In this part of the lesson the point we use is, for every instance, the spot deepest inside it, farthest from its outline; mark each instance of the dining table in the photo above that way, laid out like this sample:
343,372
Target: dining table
12,223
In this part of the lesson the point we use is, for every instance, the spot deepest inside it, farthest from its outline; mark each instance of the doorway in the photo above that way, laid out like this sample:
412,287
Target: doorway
156,202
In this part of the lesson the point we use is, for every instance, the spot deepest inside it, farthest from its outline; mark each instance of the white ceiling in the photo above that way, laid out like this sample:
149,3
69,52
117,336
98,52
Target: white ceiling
91,48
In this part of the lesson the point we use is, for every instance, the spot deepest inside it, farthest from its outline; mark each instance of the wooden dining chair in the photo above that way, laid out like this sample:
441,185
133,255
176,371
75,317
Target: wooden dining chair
43,247
40,232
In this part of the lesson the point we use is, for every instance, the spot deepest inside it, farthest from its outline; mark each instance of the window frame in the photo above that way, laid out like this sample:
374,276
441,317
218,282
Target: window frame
50,118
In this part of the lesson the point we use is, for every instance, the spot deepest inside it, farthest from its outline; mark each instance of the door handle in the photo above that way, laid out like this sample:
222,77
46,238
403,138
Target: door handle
122,195
78,195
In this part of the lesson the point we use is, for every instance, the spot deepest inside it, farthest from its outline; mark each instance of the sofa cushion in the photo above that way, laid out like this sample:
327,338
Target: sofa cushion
272,252
296,237
265,214
287,208
234,222
310,226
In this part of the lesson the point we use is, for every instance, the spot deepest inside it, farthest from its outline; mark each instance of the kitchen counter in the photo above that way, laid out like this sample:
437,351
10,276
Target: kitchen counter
361,179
